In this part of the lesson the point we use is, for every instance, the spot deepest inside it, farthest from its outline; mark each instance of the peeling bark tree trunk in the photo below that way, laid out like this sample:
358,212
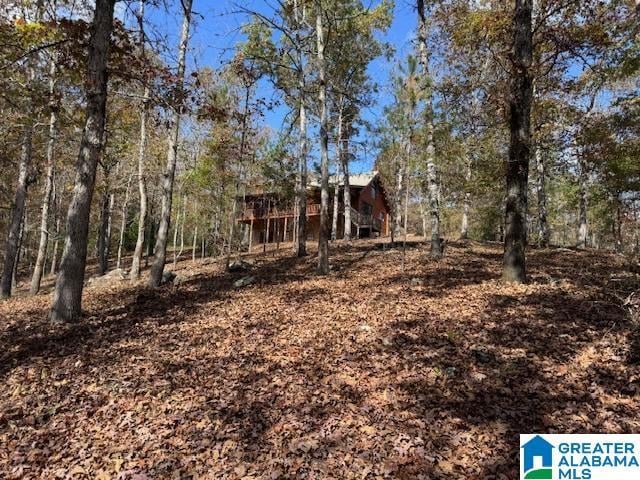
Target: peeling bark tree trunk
336,190
323,240
517,168
48,186
67,299
346,190
160,250
543,226
301,222
300,245
17,212
336,202
433,188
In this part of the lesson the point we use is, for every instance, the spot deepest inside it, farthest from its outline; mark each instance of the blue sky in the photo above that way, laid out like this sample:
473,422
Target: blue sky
217,31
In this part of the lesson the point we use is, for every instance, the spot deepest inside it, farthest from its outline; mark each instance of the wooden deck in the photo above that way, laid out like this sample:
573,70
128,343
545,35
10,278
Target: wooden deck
263,213
359,219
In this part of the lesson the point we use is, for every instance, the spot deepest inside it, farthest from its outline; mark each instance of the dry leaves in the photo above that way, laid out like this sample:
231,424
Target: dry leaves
365,373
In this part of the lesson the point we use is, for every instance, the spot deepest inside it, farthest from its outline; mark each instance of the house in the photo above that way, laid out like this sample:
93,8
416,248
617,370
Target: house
270,220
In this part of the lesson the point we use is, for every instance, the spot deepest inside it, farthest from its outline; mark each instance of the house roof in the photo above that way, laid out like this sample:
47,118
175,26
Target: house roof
358,180
355,180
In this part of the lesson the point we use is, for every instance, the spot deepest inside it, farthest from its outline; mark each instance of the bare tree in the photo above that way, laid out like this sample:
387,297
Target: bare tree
142,149
517,168
160,250
67,299
323,238
36,278
433,187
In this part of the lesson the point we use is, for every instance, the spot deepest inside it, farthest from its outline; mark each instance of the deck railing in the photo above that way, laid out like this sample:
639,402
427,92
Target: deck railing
357,218
260,213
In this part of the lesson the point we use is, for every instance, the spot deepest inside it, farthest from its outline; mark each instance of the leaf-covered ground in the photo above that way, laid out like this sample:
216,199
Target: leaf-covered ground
367,373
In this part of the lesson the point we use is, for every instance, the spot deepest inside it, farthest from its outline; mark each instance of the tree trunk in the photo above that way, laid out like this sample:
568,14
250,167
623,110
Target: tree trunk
433,187
543,226
175,237
123,222
17,212
142,188
151,234
234,208
517,168
466,202
301,236
184,216
301,185
232,224
23,232
56,243
336,190
397,200
618,223
160,250
56,218
67,299
406,218
48,186
105,216
195,244
346,189
339,162
142,148
583,203
323,238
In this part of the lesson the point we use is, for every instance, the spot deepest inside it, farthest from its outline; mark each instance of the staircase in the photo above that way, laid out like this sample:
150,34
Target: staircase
360,220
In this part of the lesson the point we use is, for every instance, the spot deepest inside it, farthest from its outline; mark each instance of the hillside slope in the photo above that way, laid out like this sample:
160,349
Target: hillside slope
367,373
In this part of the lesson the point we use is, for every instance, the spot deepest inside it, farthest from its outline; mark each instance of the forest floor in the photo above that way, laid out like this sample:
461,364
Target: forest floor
367,373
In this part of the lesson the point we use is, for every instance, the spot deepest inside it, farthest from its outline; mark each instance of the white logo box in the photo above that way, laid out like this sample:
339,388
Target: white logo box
580,456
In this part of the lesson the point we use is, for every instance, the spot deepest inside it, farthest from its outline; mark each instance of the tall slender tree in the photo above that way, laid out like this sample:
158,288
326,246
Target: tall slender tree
160,250
517,168
36,278
142,151
433,188
17,211
67,299
323,238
